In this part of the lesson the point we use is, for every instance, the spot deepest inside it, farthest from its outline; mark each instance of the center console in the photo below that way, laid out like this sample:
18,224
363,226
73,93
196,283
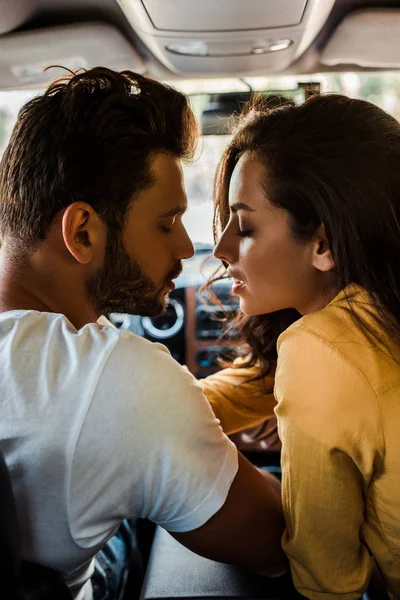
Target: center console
175,572
192,325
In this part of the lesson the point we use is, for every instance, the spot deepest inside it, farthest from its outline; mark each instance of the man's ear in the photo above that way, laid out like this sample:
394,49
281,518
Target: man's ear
321,256
82,231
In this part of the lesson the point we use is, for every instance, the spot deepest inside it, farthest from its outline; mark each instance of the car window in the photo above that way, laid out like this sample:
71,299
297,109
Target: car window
10,104
199,177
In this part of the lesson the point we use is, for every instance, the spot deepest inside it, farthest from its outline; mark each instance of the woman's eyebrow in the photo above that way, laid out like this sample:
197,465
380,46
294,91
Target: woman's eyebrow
241,206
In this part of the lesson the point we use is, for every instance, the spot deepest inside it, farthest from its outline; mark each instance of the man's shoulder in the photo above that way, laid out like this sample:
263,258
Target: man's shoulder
147,366
36,325
51,338
123,356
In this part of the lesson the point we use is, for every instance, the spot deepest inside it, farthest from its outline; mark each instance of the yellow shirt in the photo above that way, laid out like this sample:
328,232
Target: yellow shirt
338,412
237,402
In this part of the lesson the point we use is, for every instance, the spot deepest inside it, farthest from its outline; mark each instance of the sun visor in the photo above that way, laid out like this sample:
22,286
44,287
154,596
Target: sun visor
367,38
25,55
15,14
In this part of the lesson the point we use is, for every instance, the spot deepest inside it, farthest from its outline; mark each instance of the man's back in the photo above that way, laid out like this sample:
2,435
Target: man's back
93,434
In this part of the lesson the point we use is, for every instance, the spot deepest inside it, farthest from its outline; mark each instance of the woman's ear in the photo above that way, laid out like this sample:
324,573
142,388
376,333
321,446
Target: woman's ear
321,256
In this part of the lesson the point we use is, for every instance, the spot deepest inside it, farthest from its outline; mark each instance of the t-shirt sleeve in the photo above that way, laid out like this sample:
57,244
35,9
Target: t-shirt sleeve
155,448
328,423
238,402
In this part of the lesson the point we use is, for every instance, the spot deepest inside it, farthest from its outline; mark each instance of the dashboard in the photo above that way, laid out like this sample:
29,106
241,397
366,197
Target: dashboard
192,325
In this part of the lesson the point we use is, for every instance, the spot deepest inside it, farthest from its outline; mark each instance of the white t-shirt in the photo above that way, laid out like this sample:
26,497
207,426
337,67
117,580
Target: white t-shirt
98,425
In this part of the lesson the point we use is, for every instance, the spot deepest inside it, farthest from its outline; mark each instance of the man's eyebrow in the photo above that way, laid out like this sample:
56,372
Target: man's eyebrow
174,212
241,206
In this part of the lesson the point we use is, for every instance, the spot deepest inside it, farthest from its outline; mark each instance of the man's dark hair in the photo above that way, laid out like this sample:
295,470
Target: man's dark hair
90,138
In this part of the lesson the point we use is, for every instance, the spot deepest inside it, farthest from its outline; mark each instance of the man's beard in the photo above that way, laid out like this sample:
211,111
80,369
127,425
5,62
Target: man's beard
121,286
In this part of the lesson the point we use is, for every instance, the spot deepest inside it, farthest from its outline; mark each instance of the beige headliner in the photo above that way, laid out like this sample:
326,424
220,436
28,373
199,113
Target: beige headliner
368,38
25,55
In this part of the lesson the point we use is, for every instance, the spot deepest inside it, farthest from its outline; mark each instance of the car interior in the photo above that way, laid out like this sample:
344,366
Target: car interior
221,53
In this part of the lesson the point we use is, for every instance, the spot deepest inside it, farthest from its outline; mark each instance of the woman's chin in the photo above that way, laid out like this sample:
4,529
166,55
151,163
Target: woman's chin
253,309
247,308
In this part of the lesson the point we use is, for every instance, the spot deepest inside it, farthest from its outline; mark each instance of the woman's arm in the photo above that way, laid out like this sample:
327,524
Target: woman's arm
237,402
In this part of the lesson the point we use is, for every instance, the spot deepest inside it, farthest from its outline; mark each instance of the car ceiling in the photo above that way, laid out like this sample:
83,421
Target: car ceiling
34,33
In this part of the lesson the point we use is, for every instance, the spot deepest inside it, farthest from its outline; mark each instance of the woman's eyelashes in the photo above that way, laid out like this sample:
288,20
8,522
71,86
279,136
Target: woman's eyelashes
244,232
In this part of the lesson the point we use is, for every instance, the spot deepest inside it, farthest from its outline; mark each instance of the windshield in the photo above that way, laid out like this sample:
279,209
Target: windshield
381,88
199,177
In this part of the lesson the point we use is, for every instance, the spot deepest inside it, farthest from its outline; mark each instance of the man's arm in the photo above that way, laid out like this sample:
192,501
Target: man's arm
171,462
247,530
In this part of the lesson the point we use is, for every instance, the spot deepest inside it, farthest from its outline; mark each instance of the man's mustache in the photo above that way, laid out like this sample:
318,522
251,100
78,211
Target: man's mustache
175,272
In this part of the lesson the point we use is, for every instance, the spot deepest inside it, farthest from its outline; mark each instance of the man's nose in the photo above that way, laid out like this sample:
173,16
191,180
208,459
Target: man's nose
186,248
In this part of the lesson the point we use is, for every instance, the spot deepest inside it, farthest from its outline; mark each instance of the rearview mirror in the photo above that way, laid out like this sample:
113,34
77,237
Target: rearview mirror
217,115
220,110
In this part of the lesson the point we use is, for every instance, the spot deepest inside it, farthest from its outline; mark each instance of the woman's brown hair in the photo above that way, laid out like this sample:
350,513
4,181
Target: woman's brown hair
333,161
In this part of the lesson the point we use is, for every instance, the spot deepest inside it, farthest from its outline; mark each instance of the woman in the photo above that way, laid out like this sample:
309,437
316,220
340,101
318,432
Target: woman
241,394
308,198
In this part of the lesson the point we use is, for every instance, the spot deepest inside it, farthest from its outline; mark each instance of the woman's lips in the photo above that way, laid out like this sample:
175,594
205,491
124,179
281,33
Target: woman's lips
238,286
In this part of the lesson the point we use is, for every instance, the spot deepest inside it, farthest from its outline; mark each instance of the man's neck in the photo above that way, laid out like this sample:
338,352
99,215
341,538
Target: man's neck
24,285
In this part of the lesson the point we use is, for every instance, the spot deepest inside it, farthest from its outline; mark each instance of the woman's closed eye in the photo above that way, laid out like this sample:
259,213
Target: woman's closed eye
244,233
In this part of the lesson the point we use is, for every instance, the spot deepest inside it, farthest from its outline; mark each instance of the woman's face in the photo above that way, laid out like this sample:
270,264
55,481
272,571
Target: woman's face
271,270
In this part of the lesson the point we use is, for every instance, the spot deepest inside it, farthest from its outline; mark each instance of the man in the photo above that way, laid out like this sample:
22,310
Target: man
99,425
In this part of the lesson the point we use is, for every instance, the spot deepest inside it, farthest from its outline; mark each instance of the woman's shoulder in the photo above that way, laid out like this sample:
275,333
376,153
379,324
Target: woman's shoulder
348,328
340,317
